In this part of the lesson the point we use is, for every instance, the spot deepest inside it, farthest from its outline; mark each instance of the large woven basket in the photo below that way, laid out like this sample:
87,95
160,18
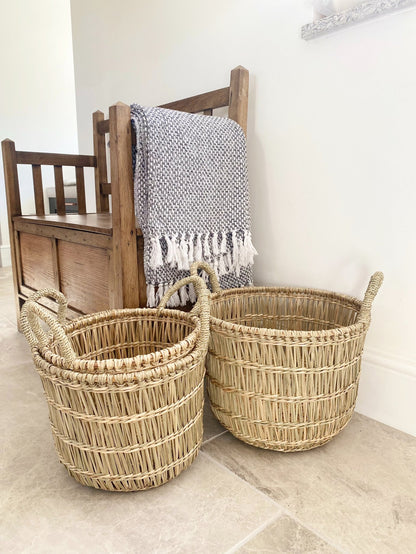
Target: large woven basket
124,388
283,364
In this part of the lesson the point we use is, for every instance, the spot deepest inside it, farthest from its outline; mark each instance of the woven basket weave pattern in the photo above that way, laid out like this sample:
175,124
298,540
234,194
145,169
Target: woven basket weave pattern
128,340
283,364
131,436
124,414
128,337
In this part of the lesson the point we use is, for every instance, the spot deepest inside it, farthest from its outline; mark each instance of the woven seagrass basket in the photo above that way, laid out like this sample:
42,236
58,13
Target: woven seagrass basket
283,364
124,388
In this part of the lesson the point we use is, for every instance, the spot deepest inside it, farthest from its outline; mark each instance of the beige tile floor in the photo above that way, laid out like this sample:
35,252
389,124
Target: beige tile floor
356,494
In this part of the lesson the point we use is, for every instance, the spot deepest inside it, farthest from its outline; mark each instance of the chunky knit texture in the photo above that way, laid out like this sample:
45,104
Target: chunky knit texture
191,199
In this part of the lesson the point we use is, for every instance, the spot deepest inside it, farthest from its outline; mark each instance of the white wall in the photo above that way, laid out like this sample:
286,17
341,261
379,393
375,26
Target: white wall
37,90
331,142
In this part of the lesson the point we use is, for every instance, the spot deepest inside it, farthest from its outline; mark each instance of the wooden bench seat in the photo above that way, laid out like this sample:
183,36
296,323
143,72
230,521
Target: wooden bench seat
93,223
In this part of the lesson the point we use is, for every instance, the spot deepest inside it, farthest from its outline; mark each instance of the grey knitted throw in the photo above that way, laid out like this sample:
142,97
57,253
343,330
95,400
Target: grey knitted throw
191,199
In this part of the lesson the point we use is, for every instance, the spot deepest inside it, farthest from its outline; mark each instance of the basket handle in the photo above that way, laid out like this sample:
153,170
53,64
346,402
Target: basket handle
210,272
371,292
201,308
56,295
31,314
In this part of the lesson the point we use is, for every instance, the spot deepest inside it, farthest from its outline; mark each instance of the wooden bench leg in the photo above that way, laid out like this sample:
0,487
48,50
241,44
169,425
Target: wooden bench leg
11,181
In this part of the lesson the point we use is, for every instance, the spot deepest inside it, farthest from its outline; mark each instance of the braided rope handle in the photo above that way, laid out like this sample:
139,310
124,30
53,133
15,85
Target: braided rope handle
31,314
56,295
215,284
371,292
201,308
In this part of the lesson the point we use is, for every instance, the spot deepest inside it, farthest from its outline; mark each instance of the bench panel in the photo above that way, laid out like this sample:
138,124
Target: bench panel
37,261
84,276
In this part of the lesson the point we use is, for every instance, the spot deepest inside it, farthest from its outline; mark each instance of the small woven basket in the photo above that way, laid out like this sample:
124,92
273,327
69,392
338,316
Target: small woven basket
124,388
283,364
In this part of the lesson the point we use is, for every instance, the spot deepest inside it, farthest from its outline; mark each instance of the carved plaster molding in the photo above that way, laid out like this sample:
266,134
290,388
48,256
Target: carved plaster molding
361,12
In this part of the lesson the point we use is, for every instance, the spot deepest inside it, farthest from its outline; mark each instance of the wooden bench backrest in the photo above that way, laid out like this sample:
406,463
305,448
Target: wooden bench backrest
118,125
235,96
12,158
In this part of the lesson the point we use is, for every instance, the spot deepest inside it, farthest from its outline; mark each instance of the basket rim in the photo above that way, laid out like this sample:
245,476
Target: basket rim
286,333
132,364
101,381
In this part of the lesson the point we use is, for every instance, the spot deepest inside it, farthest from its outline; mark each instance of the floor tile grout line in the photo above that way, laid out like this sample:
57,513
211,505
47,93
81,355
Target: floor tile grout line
318,534
254,533
217,462
214,437
282,508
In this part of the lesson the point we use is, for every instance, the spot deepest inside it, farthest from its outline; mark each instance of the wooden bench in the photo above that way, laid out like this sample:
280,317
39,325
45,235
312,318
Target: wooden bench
95,259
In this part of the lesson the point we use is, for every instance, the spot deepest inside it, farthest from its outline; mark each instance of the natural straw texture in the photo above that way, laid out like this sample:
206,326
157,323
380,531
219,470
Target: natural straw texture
124,389
284,364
